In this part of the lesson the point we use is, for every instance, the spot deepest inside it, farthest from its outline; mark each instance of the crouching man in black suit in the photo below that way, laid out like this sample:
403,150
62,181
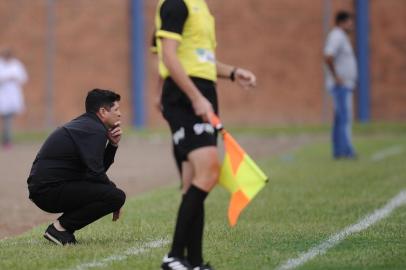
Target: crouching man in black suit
68,175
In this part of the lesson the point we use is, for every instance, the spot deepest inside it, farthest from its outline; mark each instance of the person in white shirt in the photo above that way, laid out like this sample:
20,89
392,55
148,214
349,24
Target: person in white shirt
340,81
12,77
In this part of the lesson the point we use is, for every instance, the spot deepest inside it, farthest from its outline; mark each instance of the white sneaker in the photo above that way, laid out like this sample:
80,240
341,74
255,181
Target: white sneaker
173,263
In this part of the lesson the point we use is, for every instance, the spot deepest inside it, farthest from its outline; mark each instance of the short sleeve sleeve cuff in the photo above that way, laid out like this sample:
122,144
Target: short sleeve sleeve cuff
170,35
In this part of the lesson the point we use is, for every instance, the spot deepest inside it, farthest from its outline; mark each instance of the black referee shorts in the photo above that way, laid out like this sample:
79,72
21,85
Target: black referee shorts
189,131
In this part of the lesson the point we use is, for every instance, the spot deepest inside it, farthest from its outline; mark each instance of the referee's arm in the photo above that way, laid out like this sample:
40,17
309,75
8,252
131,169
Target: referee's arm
160,81
244,78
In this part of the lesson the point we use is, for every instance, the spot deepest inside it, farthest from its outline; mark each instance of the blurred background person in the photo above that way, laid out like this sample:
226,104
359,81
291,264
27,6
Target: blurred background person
341,81
12,78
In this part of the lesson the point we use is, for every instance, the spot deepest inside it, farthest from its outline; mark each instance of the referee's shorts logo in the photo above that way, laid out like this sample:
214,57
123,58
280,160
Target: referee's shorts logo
179,135
203,127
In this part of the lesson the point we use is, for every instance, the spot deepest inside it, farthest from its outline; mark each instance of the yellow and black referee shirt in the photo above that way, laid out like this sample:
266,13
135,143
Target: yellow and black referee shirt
191,23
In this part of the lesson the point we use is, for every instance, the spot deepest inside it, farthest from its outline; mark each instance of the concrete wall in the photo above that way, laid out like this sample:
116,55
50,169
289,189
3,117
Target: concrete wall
388,60
92,50
280,40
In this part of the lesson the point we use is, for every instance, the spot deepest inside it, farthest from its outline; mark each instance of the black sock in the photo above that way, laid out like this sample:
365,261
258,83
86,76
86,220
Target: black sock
190,208
195,243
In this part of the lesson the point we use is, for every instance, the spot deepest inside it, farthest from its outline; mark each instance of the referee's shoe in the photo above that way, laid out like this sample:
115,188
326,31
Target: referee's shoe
173,263
59,237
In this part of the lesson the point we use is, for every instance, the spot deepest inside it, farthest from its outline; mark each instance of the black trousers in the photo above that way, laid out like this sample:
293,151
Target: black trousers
80,202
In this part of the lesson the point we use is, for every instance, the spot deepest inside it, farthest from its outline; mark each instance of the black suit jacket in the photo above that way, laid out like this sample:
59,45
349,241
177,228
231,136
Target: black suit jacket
77,151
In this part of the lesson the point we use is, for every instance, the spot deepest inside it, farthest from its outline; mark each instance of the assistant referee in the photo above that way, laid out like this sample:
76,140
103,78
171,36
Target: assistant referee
186,43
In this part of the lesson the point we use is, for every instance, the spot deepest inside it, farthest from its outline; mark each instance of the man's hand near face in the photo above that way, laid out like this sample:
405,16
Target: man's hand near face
114,133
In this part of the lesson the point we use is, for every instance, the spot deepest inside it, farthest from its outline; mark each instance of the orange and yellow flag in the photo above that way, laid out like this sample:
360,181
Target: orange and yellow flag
239,174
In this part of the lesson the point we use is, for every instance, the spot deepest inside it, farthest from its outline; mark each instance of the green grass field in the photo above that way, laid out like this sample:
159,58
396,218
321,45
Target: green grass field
309,197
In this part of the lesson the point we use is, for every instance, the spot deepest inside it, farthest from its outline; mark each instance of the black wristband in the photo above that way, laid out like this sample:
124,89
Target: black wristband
232,74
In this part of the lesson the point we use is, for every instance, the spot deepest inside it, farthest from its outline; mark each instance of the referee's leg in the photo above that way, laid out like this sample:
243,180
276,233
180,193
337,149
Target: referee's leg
206,167
187,176
190,222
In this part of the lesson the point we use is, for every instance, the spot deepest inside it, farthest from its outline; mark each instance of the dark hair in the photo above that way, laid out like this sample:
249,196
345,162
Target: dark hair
99,98
342,16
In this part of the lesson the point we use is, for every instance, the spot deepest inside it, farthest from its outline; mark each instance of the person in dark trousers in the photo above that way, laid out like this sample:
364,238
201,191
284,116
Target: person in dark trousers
186,43
68,174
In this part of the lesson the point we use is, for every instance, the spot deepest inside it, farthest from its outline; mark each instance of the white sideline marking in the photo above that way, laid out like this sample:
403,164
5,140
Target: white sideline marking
120,257
333,240
391,151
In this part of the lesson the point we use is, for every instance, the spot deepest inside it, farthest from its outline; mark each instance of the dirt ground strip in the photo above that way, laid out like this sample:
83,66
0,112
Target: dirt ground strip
141,164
